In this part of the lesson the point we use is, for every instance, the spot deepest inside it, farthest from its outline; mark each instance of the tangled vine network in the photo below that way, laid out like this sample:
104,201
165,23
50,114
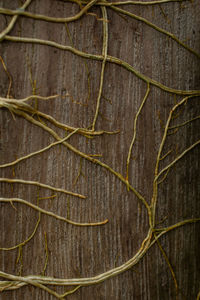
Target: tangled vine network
27,109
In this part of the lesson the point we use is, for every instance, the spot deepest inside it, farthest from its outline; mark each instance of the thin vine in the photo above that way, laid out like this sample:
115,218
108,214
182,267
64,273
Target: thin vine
22,108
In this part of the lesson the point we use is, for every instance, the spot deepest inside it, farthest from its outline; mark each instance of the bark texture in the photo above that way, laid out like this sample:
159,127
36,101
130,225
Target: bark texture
74,251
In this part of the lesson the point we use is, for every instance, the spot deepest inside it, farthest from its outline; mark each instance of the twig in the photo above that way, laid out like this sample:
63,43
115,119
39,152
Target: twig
110,59
49,213
13,21
21,12
42,185
104,54
135,129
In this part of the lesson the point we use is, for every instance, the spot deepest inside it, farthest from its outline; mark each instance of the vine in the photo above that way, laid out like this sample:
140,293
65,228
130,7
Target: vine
25,110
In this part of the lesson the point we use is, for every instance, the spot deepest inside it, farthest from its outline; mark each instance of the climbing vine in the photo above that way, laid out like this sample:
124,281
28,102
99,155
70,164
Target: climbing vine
27,109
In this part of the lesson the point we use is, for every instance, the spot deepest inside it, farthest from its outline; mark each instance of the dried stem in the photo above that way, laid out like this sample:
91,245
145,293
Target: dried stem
13,21
104,54
46,212
135,129
163,31
21,12
110,59
21,108
42,185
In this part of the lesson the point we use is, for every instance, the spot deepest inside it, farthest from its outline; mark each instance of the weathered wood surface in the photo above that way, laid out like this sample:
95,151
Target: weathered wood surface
85,252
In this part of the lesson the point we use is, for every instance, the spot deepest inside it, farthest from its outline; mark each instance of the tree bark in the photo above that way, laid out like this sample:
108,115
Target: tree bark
76,251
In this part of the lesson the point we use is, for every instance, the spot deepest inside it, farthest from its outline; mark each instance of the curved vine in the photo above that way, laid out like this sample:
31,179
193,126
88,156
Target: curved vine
22,108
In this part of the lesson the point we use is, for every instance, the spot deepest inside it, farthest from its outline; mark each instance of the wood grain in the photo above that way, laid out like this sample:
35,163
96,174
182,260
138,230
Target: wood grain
85,252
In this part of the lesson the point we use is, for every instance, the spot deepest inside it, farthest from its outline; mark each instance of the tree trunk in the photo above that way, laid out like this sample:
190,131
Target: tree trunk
147,74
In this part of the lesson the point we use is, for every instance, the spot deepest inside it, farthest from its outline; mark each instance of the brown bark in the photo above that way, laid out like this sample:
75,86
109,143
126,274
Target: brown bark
74,251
